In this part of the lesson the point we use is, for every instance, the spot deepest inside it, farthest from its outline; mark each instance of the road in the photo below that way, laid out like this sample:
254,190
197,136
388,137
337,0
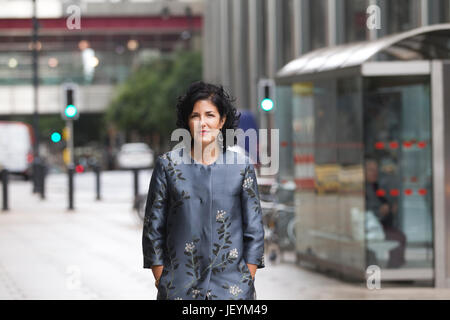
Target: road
94,252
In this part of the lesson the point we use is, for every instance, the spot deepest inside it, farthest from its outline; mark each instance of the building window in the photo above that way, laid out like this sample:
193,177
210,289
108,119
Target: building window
401,15
318,23
439,11
355,20
287,26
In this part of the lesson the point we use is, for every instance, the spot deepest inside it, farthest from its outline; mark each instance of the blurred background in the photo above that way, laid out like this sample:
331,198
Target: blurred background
360,204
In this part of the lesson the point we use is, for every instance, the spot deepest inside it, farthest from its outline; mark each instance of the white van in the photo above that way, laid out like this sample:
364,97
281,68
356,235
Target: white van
16,147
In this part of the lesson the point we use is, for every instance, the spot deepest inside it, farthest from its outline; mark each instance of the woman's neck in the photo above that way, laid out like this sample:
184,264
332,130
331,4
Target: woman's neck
208,153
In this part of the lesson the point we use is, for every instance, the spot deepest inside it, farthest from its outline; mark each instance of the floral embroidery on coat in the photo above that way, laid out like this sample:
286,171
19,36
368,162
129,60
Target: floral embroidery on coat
202,234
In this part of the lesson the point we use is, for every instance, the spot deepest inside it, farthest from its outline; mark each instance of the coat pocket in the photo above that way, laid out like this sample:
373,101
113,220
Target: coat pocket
250,274
246,271
163,275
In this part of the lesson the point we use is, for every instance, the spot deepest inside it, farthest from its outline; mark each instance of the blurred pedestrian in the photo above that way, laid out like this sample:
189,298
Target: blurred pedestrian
203,234
386,212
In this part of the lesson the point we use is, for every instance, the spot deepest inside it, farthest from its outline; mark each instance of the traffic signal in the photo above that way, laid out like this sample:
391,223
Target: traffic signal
66,134
55,137
66,150
266,94
70,103
66,156
79,168
70,111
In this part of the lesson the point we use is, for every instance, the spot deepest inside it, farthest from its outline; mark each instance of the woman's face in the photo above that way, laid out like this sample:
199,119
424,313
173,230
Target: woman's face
204,122
371,171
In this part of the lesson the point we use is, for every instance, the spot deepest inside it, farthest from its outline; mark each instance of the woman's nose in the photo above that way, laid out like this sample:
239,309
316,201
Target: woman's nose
202,122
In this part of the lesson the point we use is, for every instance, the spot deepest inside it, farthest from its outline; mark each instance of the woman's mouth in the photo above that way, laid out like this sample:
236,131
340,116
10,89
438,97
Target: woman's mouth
203,132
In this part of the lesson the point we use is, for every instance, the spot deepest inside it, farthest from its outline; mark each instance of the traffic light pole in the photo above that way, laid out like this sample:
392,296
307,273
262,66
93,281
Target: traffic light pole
71,172
70,113
71,166
69,124
266,95
269,135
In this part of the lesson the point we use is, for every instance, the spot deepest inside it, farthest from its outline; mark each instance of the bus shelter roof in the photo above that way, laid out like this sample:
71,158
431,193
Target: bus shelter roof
424,43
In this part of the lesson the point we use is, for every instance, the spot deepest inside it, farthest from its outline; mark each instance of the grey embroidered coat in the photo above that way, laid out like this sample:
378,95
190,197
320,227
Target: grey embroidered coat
203,223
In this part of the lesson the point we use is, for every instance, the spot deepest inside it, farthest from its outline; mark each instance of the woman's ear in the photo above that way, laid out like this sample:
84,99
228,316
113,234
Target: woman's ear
222,121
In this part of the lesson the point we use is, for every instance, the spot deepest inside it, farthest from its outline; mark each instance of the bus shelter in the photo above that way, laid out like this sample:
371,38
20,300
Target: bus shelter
369,135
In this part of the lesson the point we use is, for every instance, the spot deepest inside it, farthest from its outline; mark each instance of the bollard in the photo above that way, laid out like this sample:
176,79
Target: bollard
35,176
71,171
136,182
42,175
4,178
97,176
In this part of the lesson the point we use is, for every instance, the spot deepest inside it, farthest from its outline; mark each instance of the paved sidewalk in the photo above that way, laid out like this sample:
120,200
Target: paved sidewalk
287,281
47,252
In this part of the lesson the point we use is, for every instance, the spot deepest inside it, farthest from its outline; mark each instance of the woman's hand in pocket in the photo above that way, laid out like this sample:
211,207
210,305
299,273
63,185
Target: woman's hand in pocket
157,271
252,268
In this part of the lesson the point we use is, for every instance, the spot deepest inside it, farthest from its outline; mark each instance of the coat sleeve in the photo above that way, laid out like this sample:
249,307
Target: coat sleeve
252,219
153,237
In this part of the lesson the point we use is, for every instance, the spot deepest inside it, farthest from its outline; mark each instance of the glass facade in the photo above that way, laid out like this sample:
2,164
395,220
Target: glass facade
57,67
349,147
283,122
310,18
439,11
400,15
397,134
287,21
317,23
346,129
328,153
362,166
101,60
355,20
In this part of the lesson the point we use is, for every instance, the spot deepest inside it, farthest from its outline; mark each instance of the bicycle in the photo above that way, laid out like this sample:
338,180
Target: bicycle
280,221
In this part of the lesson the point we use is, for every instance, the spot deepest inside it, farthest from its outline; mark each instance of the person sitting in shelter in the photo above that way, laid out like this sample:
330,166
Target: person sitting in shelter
386,212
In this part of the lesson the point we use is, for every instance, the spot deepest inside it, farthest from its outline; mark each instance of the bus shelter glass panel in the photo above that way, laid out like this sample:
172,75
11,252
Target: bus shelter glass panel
326,168
350,175
303,153
283,122
397,136
328,162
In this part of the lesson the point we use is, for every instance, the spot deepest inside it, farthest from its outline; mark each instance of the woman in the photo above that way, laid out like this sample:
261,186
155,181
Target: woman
203,235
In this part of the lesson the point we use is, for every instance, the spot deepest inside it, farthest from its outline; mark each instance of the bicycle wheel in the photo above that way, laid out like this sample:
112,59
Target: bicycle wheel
291,230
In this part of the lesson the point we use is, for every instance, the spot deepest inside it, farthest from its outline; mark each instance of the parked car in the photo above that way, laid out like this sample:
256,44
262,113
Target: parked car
16,147
135,156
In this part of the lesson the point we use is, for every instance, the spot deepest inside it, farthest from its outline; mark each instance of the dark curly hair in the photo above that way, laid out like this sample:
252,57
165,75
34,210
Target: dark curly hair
200,90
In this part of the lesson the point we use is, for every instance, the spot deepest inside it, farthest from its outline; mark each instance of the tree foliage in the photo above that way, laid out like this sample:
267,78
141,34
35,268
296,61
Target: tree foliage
146,101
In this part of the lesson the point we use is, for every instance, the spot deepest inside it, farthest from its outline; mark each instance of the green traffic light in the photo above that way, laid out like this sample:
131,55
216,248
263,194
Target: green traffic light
71,111
267,104
56,137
